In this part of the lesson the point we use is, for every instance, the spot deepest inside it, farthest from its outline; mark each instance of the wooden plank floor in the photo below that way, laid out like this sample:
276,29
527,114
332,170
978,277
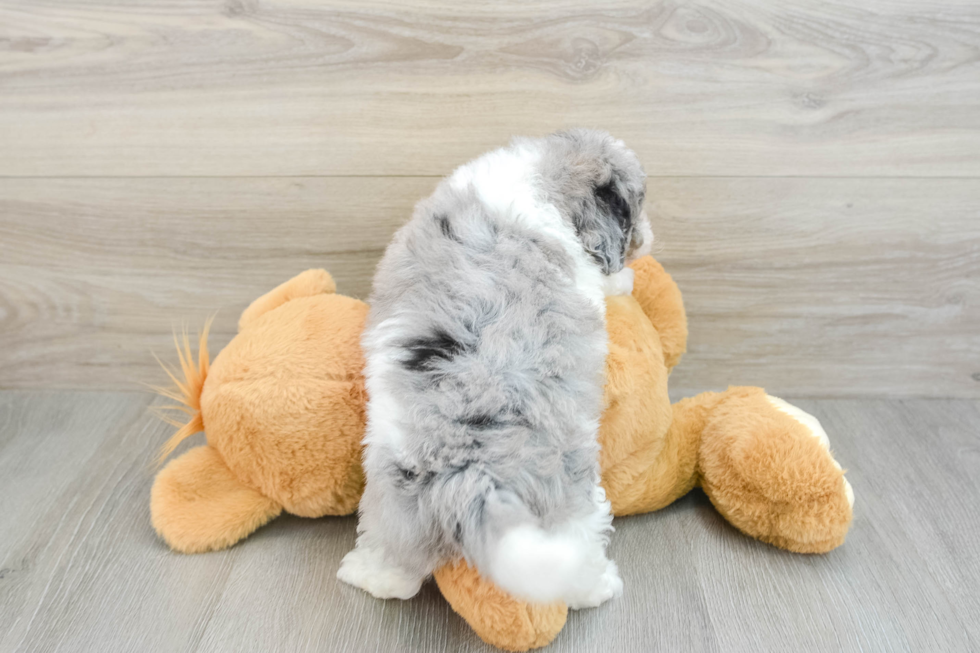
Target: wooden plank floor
82,570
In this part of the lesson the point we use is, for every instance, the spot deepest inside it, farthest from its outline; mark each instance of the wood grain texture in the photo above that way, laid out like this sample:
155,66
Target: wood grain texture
812,287
81,569
826,287
96,274
352,87
76,546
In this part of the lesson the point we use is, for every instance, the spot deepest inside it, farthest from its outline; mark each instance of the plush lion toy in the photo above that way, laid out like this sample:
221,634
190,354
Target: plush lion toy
283,408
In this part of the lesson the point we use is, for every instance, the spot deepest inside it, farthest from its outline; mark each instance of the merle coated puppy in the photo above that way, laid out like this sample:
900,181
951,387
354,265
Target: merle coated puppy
485,349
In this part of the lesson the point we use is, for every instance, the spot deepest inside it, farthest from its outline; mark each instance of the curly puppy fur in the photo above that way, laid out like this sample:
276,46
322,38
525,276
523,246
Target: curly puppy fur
485,349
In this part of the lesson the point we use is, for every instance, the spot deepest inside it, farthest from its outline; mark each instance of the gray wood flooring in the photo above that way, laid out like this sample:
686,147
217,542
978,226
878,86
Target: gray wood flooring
81,569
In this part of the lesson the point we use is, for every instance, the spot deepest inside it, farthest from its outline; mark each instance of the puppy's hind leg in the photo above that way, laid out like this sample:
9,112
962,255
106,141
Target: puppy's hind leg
605,585
389,560
369,568
598,580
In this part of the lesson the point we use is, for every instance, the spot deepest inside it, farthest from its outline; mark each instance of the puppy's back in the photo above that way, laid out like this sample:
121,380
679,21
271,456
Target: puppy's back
493,357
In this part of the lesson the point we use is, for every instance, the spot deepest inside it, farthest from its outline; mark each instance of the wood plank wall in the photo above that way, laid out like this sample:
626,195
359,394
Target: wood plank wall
814,168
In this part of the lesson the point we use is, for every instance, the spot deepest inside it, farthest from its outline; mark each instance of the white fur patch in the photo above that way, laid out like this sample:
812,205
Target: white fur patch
505,182
646,231
536,565
383,411
816,430
366,568
619,283
608,586
567,563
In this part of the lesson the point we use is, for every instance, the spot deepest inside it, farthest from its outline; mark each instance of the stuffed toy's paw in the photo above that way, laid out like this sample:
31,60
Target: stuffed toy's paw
766,466
198,505
498,618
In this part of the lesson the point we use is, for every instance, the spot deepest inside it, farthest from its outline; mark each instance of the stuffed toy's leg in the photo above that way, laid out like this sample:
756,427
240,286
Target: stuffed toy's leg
766,466
499,619
198,505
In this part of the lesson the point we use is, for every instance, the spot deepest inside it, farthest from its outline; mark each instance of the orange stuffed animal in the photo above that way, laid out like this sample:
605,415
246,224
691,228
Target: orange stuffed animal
282,407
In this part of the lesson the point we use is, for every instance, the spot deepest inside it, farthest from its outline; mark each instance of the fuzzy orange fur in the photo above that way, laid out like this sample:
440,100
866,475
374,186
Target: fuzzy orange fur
283,404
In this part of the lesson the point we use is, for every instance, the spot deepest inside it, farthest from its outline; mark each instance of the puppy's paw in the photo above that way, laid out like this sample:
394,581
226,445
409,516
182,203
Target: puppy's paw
366,568
608,586
618,283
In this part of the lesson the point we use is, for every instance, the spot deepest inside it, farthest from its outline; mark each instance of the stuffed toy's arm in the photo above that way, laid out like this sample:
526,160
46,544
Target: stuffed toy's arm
661,301
305,284
768,469
764,464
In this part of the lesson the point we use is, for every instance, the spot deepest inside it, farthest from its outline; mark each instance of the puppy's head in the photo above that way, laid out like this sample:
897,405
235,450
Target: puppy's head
599,184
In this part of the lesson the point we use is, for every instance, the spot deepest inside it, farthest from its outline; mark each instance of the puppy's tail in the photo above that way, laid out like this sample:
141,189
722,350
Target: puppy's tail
535,564
189,382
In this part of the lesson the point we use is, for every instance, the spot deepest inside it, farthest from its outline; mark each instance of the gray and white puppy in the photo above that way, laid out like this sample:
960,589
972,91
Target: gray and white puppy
485,350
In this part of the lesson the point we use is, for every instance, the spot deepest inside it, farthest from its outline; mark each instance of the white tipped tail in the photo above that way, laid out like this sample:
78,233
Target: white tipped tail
536,566
568,565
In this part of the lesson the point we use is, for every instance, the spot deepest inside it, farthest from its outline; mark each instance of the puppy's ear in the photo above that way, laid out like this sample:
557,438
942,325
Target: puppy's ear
605,227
